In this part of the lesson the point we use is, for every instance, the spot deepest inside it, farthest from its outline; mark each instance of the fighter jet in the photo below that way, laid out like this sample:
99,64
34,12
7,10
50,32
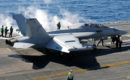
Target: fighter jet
66,41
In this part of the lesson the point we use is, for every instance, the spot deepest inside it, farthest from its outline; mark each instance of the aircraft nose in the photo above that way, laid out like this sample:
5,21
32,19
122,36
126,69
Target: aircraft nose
123,32
119,32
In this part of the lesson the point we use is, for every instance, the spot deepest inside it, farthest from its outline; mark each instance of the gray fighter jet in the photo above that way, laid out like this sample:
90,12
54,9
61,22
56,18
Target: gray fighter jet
67,40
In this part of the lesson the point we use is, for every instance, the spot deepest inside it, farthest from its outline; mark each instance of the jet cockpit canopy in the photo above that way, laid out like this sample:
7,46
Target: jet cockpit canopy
94,26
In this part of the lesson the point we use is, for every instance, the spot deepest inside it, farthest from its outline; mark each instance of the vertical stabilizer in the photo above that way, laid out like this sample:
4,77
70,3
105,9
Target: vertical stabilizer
36,32
20,19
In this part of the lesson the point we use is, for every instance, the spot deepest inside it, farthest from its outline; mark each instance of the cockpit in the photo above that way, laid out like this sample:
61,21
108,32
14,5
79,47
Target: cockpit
94,26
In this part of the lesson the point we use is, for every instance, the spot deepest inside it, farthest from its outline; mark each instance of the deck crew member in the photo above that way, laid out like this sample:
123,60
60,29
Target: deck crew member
101,41
70,75
113,38
58,25
117,41
6,31
2,31
11,31
120,41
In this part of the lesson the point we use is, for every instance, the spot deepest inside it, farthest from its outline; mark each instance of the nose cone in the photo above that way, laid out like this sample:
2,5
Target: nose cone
119,32
122,32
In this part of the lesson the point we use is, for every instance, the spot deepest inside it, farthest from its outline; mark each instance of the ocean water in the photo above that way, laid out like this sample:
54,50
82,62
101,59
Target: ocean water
71,10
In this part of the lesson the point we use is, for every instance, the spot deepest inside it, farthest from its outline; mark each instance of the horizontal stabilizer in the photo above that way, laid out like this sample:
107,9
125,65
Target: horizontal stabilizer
22,45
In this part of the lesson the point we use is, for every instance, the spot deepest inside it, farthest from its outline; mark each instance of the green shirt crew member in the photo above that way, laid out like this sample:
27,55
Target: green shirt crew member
58,25
70,75
6,31
2,31
11,31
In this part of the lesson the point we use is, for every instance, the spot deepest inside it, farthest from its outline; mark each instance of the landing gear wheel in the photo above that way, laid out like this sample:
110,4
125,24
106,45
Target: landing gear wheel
61,53
94,47
47,51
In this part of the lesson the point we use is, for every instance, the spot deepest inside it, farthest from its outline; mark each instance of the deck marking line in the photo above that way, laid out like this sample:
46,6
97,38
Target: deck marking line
77,70
1,73
6,48
116,64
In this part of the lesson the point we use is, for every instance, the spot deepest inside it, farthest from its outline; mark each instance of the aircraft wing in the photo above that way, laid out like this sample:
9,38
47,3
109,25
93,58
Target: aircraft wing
66,43
84,34
76,34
